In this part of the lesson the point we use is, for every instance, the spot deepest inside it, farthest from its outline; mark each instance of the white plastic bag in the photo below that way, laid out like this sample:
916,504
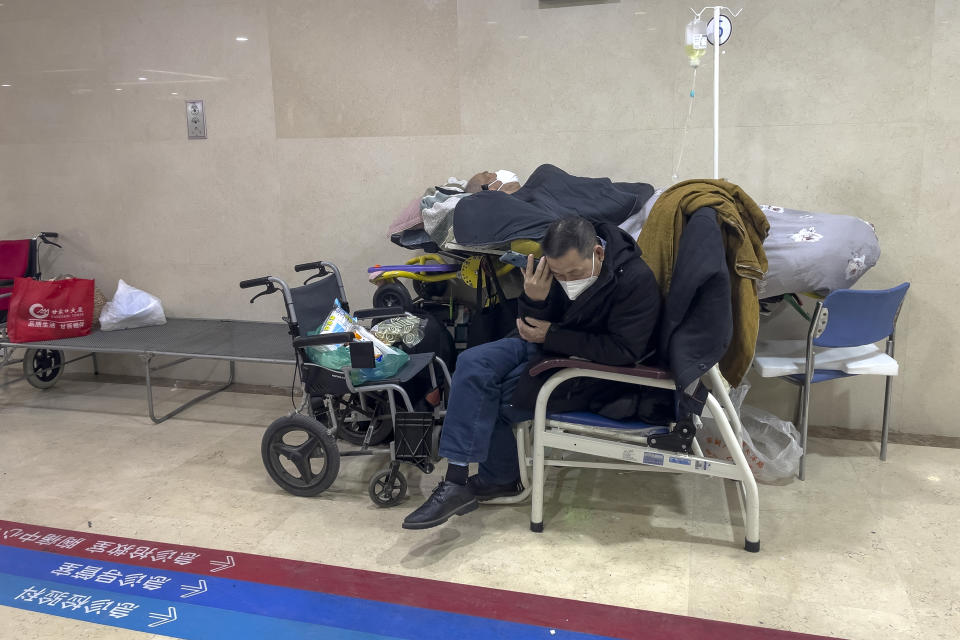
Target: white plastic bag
771,445
131,308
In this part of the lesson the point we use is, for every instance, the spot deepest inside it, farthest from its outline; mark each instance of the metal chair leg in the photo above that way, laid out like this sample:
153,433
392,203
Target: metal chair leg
799,409
884,433
804,421
890,347
748,484
536,506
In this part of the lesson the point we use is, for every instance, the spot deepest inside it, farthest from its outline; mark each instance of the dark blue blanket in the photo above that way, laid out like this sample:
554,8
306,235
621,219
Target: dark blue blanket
491,217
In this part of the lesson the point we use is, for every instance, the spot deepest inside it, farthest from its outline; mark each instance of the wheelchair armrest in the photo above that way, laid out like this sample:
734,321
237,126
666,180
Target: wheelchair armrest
378,313
637,371
325,338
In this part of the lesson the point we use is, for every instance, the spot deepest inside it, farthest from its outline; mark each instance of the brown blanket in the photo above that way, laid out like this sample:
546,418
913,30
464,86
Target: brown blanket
744,228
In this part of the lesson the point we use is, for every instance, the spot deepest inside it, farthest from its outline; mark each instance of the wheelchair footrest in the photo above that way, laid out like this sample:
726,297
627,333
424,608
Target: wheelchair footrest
413,435
679,440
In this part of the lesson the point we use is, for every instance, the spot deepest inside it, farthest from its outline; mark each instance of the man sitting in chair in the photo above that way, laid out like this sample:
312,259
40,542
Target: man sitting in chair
592,297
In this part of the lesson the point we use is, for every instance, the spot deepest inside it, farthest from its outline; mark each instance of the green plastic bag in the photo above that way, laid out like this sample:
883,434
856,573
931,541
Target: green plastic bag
336,359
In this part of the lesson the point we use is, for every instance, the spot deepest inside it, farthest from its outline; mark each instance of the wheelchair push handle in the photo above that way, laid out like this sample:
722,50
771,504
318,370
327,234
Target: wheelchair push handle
44,237
255,282
320,266
265,281
307,266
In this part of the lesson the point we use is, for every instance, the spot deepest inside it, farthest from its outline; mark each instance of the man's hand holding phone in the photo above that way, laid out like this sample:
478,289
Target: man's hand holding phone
537,279
533,330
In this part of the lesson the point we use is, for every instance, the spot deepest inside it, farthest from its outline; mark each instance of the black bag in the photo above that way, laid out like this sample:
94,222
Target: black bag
436,340
498,318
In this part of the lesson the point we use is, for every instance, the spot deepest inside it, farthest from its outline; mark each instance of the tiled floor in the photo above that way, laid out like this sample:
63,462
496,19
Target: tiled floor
860,550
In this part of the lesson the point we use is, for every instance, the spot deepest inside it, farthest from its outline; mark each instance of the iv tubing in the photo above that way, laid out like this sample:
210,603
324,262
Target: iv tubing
686,126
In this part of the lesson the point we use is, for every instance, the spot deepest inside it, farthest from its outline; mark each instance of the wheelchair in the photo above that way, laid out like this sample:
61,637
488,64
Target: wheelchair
21,258
391,417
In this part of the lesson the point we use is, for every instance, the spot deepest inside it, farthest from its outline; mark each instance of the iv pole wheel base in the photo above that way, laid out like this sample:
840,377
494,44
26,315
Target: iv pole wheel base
752,547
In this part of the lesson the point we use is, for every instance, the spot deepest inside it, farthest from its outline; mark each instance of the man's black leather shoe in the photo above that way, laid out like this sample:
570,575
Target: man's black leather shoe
447,500
484,490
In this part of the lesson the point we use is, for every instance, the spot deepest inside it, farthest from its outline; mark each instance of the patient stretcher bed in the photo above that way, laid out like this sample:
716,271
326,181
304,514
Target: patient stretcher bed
181,338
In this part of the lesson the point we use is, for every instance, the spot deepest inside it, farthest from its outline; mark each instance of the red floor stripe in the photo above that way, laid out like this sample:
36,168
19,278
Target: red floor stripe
572,615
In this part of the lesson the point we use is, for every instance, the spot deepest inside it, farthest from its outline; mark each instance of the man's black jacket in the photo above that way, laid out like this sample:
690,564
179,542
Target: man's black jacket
613,321
695,328
697,314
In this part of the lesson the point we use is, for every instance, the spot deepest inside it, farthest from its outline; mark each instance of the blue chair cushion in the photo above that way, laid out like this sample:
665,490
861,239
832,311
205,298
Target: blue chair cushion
820,375
595,420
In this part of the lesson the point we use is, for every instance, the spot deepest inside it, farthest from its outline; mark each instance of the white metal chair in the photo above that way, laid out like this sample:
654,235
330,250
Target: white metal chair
628,443
840,343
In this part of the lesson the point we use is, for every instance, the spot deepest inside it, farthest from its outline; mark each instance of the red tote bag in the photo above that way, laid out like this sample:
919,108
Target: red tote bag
50,309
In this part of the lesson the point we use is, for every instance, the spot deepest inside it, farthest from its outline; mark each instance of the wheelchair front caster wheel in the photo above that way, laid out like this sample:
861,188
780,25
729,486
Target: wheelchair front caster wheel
42,367
385,493
300,455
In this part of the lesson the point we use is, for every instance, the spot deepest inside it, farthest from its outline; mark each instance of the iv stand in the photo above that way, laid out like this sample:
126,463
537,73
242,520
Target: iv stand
716,81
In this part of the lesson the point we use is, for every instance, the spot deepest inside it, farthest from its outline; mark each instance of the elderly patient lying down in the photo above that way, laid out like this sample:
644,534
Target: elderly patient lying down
806,251
502,180
492,208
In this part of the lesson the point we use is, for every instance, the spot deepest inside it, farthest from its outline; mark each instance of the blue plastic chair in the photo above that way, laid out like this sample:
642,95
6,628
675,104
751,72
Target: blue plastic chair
848,318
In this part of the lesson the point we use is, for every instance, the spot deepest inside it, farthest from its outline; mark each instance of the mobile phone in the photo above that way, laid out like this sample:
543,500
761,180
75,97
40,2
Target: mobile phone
519,260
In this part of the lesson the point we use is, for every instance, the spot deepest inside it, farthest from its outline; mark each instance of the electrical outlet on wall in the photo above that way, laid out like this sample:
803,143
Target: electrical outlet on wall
196,120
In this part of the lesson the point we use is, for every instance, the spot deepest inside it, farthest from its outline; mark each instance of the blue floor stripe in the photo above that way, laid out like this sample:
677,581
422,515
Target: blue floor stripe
236,602
192,622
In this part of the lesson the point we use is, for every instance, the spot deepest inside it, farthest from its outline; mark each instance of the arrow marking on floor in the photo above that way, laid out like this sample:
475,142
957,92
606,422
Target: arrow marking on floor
222,564
163,619
194,590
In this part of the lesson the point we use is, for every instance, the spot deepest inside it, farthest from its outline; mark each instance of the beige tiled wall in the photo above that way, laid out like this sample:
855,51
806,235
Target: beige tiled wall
335,113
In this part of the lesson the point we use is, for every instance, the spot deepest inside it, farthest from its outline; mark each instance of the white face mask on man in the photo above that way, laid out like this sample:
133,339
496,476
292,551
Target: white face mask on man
574,288
504,177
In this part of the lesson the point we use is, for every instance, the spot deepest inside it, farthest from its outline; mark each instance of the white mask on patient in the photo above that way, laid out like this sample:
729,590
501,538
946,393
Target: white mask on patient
574,288
504,177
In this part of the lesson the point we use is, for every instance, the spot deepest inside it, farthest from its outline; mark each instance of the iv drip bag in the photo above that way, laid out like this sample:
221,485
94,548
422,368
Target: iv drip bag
695,41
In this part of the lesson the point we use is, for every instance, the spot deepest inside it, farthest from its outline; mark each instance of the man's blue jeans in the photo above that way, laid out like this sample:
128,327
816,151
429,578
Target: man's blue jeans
479,423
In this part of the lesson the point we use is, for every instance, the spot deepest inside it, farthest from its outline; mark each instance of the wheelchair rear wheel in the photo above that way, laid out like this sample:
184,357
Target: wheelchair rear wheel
43,367
300,455
355,430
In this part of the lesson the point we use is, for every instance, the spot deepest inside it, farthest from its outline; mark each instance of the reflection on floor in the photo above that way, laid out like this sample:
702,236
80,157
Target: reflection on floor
860,550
